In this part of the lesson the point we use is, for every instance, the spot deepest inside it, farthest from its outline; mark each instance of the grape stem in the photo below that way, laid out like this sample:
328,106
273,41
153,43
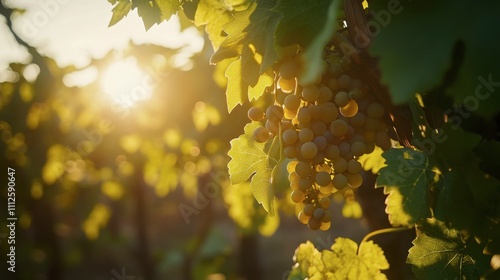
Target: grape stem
380,231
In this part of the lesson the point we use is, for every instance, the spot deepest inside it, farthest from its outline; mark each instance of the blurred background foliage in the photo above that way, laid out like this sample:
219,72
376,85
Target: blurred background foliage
108,187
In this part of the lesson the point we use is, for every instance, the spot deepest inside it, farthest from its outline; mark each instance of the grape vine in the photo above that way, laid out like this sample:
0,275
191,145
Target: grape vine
323,105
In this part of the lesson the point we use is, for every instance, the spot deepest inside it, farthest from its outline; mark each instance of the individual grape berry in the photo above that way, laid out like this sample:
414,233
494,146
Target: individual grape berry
318,128
353,166
319,158
274,127
315,112
323,178
289,69
325,226
289,114
383,141
255,114
338,128
314,224
310,94
261,134
339,181
328,112
298,196
320,142
290,152
303,218
325,94
371,124
369,136
308,150
287,86
355,94
350,109
274,113
326,189
306,135
289,137
370,147
318,213
341,98
332,152
293,176
327,217
358,119
354,180
333,84
305,184
375,110
325,202
344,148
303,169
339,165
292,102
358,148
304,115
344,81
309,209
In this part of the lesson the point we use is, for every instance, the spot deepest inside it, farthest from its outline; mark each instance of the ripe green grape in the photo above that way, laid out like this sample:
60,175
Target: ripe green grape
326,189
327,217
287,86
320,142
261,134
354,180
289,69
323,178
338,128
382,140
274,113
308,150
306,135
304,115
328,112
339,165
339,181
303,218
325,202
355,94
375,110
318,213
358,119
344,148
318,128
289,137
309,209
314,224
315,112
350,109
341,98
305,184
358,148
353,166
292,102
274,127
344,81
310,94
298,196
255,114
325,94
325,226
332,152
290,167
303,169
290,152
289,114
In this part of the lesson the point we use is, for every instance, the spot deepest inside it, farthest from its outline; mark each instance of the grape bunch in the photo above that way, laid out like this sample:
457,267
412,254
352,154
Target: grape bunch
325,127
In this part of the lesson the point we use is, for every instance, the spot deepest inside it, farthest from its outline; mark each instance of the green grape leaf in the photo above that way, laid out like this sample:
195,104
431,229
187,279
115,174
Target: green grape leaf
439,252
343,261
477,76
168,8
213,14
407,179
373,161
148,11
251,37
250,159
120,11
310,24
238,91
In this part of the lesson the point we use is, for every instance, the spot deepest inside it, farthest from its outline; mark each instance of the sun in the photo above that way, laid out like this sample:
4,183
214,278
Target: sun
126,83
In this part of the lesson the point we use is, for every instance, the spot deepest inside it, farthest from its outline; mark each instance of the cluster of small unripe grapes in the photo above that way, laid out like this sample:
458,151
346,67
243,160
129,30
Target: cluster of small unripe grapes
325,127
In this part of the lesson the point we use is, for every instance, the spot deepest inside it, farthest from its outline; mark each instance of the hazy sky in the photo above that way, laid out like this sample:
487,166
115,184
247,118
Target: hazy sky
73,31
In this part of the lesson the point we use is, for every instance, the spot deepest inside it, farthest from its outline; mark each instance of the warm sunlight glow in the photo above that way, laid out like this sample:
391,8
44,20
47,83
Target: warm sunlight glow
126,83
